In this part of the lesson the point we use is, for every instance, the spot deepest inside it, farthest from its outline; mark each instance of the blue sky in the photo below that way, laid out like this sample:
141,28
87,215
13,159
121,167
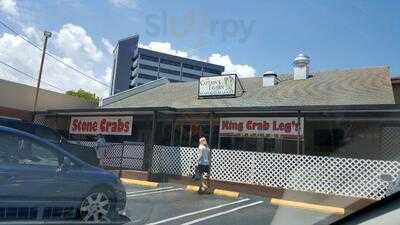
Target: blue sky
247,37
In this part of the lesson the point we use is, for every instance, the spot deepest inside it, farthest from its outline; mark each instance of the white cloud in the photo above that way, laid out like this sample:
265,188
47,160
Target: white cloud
164,47
9,7
108,46
23,56
74,42
124,3
240,69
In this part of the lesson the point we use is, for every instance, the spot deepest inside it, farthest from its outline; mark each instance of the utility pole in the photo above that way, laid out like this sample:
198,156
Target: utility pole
46,34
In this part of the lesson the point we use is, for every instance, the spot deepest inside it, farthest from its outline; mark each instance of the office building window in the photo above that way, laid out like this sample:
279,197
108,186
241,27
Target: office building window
209,70
189,75
174,72
193,67
145,76
149,58
147,67
170,62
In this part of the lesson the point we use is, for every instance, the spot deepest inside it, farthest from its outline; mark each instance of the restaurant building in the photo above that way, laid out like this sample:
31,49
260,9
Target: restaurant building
337,112
330,132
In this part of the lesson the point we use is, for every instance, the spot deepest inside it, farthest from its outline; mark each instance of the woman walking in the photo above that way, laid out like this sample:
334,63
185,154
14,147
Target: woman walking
203,159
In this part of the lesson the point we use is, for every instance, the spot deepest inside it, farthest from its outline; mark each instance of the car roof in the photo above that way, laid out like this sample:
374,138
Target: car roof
19,132
27,124
26,134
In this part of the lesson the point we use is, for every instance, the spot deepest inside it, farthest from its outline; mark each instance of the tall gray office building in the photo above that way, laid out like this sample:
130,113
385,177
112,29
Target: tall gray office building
134,66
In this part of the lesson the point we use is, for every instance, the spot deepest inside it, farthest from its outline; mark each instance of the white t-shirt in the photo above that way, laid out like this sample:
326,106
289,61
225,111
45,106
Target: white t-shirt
204,155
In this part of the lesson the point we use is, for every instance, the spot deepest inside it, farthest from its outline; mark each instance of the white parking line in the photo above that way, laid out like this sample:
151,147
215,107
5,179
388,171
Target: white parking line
149,190
154,192
197,212
222,213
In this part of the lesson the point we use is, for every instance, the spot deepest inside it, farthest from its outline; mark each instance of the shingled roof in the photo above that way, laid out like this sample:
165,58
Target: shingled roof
339,87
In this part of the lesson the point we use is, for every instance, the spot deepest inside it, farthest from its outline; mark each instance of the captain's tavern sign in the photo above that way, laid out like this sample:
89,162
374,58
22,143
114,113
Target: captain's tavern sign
224,85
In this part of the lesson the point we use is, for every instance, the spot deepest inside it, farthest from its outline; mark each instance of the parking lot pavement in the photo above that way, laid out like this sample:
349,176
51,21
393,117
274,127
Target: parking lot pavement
171,204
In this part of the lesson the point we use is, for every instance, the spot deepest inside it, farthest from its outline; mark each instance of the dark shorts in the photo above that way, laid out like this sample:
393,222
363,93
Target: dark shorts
204,169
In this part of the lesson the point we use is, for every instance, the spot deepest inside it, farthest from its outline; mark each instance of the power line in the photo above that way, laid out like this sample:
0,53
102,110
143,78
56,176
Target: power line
52,55
28,75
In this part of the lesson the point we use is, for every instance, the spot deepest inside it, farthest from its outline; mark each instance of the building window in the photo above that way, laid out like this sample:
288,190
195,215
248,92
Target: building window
145,76
163,136
192,67
189,75
147,67
174,72
174,81
170,62
149,58
328,139
209,70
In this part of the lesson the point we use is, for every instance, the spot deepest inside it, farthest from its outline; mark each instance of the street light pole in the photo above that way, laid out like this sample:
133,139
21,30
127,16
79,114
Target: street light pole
47,34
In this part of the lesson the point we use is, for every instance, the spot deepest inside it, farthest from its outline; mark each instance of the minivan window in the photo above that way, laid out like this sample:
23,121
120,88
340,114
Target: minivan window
8,148
35,153
47,134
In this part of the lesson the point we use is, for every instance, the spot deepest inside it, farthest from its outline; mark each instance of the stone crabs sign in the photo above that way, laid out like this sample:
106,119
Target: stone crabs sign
224,85
283,127
108,125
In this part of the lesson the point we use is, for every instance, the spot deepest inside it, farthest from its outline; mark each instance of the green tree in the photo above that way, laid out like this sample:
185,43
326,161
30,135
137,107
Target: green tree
88,96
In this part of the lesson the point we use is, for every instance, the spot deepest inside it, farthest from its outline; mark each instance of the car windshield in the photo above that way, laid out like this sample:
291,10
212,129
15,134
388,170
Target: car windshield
198,112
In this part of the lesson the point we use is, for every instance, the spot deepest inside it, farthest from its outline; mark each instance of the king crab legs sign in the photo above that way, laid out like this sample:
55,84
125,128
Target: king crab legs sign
111,125
283,127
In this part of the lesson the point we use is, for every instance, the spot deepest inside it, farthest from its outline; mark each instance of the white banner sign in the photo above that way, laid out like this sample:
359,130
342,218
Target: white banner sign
107,125
224,85
285,127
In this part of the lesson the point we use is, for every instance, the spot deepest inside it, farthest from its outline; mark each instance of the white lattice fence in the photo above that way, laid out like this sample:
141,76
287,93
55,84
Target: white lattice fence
328,175
174,160
119,155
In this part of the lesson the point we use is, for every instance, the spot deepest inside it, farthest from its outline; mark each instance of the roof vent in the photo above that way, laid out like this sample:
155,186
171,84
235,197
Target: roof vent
301,67
269,79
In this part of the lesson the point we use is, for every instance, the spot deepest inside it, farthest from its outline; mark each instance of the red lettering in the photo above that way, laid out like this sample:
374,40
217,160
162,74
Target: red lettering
249,125
103,126
225,125
120,126
229,125
108,125
74,125
94,127
274,127
114,126
126,127
265,125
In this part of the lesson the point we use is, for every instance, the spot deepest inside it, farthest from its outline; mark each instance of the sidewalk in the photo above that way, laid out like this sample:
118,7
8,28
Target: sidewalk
349,203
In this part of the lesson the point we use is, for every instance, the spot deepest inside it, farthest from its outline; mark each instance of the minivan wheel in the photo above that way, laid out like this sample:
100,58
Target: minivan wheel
96,206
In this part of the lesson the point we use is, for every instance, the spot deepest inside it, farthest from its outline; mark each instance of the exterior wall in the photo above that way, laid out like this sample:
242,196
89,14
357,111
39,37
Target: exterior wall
15,113
21,97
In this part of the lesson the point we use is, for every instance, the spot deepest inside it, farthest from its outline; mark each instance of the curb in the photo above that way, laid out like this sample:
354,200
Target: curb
139,182
192,188
219,192
308,206
231,194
